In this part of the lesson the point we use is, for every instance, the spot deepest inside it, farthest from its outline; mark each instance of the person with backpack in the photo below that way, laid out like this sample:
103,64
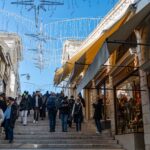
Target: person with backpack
52,111
77,113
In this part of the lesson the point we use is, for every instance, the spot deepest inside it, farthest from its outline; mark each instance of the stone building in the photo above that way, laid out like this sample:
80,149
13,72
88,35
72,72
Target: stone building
10,47
70,48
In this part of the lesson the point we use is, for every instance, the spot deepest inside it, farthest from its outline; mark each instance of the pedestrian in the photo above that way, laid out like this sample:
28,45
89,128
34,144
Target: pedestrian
24,107
60,97
64,113
77,114
52,111
82,99
10,117
71,103
1,119
98,113
44,102
37,105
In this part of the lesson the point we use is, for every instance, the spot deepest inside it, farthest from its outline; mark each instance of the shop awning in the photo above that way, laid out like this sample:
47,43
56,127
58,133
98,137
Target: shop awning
58,75
120,35
87,58
78,63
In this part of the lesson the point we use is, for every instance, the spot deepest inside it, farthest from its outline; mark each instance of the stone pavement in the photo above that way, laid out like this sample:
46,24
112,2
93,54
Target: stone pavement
37,136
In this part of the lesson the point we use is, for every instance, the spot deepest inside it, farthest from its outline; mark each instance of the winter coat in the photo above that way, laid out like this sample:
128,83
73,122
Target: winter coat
39,102
98,110
13,115
77,112
64,107
24,104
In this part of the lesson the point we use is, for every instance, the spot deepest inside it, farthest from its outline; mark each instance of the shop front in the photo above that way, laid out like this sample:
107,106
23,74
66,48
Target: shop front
128,107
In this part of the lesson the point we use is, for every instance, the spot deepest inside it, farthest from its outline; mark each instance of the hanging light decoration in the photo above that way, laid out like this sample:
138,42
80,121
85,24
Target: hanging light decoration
37,6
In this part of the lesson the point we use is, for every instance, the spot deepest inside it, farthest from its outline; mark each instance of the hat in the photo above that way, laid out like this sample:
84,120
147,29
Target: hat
11,99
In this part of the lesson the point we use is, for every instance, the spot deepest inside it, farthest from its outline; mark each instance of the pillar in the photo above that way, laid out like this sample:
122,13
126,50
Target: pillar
145,93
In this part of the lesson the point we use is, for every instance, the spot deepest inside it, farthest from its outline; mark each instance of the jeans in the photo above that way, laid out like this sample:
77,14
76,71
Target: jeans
78,124
43,112
36,113
24,116
8,130
64,119
52,120
98,125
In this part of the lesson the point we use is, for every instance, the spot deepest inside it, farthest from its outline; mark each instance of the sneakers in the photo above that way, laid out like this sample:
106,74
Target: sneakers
97,132
34,121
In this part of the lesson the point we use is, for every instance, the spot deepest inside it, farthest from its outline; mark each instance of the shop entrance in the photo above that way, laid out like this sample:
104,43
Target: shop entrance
128,106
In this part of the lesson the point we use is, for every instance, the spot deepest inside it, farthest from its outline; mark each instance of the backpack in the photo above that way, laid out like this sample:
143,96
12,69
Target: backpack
51,103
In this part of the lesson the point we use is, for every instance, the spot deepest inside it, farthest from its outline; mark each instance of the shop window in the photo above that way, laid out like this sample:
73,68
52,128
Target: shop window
128,106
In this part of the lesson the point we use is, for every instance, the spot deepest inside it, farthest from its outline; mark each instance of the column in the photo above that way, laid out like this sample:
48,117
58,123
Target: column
112,107
144,94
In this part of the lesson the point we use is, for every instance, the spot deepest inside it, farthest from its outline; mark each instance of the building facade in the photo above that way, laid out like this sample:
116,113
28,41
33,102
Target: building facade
11,51
70,48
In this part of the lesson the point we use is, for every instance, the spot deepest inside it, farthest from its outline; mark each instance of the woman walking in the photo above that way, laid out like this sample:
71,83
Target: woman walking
77,113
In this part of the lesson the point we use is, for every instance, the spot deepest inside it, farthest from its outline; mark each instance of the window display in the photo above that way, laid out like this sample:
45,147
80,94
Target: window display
128,106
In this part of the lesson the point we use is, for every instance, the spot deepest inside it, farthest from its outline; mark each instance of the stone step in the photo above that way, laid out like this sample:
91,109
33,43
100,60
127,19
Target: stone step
66,146
30,132
65,149
50,136
60,141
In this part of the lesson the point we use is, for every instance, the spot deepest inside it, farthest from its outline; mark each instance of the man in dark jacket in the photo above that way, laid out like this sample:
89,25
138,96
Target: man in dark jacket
64,112
37,105
44,101
98,113
24,107
52,111
10,119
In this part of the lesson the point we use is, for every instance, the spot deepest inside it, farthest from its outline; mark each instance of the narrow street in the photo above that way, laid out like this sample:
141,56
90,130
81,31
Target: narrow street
37,136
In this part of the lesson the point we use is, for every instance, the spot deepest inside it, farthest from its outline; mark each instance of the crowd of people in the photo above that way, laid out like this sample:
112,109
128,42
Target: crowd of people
68,109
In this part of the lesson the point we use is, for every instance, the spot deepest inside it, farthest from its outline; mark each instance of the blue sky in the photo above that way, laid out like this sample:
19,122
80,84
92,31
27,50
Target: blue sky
81,9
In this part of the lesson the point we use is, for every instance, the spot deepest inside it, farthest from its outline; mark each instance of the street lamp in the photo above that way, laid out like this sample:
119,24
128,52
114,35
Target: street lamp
27,76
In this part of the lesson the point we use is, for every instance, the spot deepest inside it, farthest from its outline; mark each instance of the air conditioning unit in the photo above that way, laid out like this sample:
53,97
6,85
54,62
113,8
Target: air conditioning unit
132,51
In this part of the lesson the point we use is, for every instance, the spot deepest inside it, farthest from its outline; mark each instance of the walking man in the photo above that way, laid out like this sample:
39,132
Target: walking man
98,114
37,105
24,107
52,111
